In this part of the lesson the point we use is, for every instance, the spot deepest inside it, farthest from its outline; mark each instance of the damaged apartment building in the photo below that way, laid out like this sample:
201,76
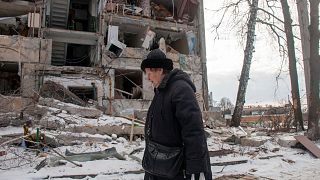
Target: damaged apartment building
93,48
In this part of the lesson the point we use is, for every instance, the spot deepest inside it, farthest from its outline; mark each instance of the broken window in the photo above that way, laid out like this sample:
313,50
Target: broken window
79,15
181,11
176,42
82,15
9,78
132,39
78,55
128,84
14,26
85,93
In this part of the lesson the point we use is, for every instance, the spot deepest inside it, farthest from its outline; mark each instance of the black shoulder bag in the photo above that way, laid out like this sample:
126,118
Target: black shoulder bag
160,160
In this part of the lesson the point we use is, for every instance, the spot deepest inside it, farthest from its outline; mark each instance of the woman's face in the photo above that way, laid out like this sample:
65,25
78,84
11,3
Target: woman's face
154,75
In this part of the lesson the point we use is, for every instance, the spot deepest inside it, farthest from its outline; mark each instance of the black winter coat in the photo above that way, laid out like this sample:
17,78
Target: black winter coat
176,121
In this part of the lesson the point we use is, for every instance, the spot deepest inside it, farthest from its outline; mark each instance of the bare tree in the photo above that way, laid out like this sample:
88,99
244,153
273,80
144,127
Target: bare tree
314,105
236,117
292,64
303,16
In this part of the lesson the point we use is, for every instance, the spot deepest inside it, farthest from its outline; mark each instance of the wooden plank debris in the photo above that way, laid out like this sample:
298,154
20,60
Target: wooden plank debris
268,157
309,145
229,163
221,152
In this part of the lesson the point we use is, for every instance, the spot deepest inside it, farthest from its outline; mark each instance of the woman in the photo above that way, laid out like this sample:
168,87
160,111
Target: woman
174,128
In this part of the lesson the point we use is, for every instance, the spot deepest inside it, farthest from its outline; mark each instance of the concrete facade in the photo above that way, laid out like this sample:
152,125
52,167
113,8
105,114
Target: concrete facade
72,49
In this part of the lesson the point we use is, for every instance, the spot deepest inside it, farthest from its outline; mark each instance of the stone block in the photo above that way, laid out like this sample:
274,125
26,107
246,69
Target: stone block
141,114
254,141
287,141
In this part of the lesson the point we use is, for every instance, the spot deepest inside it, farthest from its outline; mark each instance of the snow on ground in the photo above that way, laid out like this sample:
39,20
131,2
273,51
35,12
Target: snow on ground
19,163
292,164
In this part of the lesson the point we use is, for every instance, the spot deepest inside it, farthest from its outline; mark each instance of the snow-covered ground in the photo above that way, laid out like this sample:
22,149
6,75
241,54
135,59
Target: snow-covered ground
289,164
19,163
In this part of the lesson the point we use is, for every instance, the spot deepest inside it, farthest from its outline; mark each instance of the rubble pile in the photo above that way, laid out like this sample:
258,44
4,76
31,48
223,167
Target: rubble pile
71,141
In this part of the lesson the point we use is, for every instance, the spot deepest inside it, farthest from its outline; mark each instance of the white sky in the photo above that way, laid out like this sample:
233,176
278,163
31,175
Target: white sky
225,59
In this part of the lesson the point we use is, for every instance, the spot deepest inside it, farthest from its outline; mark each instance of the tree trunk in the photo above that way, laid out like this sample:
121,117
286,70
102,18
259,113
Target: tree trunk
292,65
302,7
236,117
314,105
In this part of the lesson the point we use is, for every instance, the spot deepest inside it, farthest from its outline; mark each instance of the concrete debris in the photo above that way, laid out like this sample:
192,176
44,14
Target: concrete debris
232,140
71,108
254,141
213,119
287,141
51,89
106,129
150,35
83,176
90,156
11,104
80,157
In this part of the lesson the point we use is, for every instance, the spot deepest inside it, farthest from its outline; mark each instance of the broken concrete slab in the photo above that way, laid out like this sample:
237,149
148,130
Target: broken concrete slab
254,141
73,139
141,114
213,119
16,104
94,155
71,108
51,89
287,141
232,140
106,129
91,156
52,122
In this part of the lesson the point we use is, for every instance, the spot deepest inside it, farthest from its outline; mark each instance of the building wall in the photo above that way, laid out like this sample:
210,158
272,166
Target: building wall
25,49
34,55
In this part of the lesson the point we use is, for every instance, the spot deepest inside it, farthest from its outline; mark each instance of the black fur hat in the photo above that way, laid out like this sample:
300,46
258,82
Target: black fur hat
157,59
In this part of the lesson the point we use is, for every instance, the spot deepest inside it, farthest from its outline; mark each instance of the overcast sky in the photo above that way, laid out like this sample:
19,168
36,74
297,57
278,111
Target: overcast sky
225,59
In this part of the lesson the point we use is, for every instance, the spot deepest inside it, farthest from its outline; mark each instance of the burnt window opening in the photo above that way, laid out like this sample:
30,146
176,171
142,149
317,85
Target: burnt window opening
78,55
126,82
174,10
131,39
9,79
80,18
175,42
85,93
134,38
180,45
162,10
